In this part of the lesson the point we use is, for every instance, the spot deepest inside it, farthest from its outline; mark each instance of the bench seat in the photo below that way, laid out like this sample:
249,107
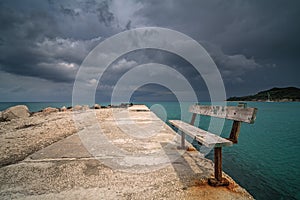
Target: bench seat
204,137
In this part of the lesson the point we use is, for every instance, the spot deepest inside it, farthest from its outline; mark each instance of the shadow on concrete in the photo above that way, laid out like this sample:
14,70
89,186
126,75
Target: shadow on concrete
190,167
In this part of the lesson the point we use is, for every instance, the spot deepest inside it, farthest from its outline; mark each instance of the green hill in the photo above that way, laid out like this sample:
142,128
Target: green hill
275,94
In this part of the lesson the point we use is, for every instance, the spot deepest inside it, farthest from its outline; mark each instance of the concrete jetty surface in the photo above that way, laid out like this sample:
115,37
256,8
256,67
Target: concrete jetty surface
126,154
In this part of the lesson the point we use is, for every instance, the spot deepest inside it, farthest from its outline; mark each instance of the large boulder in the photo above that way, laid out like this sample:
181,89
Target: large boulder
96,106
50,110
15,112
85,107
81,108
63,109
77,108
1,119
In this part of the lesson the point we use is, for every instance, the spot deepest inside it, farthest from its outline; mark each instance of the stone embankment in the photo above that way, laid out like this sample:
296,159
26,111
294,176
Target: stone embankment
51,155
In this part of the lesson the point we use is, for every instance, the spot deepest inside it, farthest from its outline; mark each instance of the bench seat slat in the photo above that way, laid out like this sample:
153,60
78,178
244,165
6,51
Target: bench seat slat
241,114
204,137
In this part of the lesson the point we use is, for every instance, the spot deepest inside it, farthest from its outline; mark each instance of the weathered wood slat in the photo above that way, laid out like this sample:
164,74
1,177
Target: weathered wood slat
206,138
228,112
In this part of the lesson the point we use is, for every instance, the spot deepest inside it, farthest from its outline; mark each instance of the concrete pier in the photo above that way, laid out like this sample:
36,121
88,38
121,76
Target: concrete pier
127,154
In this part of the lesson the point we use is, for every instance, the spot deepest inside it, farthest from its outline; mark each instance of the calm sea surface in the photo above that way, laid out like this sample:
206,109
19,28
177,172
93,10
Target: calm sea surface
266,160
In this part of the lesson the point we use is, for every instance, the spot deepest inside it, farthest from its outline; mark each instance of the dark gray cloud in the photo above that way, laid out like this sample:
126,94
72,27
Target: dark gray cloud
255,44
68,11
104,14
232,67
34,44
139,57
254,28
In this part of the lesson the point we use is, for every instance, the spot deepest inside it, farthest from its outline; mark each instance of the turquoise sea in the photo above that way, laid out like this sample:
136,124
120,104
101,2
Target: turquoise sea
266,160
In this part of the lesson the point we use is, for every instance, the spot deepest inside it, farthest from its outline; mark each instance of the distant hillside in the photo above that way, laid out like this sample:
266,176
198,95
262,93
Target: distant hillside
275,94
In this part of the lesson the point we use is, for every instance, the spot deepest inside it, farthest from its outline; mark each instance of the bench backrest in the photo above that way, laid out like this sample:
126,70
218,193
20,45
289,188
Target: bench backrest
236,113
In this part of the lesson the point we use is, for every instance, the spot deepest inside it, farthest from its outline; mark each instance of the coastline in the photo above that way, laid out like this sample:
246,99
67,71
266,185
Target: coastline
264,101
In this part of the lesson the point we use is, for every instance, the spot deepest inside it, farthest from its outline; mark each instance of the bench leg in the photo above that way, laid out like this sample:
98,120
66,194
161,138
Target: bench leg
182,140
218,180
182,145
218,163
235,131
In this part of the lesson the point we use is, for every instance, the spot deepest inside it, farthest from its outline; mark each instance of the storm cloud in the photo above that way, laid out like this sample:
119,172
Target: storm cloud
255,44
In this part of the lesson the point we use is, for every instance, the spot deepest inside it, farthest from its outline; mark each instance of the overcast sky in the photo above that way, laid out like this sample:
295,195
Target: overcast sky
255,44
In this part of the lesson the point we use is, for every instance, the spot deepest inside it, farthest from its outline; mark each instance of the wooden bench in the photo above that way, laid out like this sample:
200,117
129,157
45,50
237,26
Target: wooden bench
238,114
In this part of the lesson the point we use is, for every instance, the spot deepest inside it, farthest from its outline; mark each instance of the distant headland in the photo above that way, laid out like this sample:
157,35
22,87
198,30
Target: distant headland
286,94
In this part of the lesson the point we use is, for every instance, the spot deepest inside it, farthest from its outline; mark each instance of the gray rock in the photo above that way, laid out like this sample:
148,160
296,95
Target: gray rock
63,109
96,106
15,112
81,108
77,108
49,110
1,119
85,107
